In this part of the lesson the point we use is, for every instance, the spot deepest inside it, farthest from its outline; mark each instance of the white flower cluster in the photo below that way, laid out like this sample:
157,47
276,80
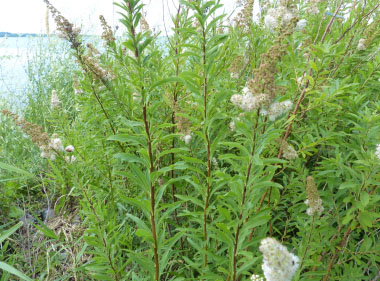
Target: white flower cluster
215,162
289,152
301,24
55,146
54,100
186,139
278,263
361,45
313,6
70,159
232,126
56,143
377,151
280,16
256,277
276,109
249,102
314,209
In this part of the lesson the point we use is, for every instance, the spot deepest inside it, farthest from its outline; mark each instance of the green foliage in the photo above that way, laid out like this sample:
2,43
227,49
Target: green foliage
176,178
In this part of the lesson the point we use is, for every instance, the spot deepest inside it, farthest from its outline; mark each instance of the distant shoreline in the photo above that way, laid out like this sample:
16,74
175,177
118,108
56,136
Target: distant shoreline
9,34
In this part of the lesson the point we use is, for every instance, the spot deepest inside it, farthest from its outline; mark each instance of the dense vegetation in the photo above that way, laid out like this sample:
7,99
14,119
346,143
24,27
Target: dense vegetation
226,150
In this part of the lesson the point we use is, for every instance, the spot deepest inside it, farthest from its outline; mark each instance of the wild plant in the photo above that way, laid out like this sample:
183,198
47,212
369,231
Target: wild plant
226,150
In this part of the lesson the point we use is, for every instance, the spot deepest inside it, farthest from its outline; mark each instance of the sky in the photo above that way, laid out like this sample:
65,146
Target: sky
28,16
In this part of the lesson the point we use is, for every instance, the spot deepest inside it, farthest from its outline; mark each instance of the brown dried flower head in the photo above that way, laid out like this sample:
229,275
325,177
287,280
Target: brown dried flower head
244,17
313,200
65,28
107,34
35,132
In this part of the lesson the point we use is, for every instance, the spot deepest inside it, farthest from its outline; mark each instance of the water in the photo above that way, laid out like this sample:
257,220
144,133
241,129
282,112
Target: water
15,52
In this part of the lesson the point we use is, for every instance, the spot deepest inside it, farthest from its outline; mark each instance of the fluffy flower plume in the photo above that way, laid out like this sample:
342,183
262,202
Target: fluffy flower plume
278,263
249,102
276,109
232,126
186,138
288,152
361,45
256,277
54,100
280,16
301,24
70,159
56,143
69,148
377,153
313,6
313,200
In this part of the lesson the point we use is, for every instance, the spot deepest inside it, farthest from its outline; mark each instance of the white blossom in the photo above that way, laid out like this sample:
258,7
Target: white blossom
313,200
280,16
236,99
301,24
70,159
69,148
56,144
256,277
270,22
276,109
52,156
289,152
251,102
232,126
54,100
377,153
234,75
45,154
215,161
314,209
361,45
186,138
278,263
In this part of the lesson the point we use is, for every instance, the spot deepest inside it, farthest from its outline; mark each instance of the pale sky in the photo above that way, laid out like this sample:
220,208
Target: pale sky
28,16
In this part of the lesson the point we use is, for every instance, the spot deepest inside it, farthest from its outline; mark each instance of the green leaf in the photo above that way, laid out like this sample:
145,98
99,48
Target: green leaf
130,158
15,170
145,234
14,271
10,231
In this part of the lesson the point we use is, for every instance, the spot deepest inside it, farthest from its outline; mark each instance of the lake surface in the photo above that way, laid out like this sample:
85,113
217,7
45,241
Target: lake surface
16,55
15,52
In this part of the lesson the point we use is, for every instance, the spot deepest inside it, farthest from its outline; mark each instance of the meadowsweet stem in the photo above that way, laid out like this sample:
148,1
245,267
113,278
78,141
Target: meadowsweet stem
152,195
208,190
240,222
175,99
150,153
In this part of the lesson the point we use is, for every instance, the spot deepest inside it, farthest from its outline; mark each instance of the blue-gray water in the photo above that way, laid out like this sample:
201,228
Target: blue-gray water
15,53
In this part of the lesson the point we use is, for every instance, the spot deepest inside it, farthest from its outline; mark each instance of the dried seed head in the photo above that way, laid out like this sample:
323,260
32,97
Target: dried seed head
107,34
313,200
65,28
35,132
144,25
